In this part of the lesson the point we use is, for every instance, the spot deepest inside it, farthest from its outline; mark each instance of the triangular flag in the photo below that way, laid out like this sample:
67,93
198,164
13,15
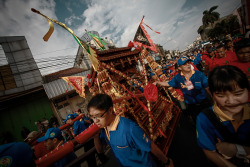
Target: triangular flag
142,38
77,82
97,40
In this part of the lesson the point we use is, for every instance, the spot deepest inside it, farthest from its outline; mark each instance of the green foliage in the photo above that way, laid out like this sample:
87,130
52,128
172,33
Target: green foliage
201,29
227,26
210,16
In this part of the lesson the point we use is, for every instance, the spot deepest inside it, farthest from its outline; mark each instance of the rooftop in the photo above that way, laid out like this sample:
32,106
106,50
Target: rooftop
62,73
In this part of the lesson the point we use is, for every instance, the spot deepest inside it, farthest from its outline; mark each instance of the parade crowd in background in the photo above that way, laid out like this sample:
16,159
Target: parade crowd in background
214,82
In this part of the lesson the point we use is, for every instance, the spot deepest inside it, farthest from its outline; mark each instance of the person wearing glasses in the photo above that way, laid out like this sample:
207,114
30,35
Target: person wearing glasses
129,143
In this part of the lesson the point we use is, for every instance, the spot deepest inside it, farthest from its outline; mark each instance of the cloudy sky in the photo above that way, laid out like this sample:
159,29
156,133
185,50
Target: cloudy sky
177,20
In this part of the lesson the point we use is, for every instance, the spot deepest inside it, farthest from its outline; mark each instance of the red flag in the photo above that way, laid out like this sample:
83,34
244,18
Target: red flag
142,38
77,82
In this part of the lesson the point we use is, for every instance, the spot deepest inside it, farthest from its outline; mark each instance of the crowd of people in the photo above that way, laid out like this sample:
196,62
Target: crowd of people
217,99
214,82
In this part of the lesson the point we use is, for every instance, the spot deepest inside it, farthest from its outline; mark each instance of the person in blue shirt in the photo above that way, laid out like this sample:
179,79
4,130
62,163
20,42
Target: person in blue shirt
16,154
193,85
229,88
53,139
77,128
85,119
129,143
197,60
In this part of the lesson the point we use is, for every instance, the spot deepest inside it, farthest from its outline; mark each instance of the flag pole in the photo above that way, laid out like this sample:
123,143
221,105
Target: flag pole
142,19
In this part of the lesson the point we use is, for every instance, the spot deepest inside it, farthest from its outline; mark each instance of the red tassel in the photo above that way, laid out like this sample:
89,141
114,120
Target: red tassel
151,28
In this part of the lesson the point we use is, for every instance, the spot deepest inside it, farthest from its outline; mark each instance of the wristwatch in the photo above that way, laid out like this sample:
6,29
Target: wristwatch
241,153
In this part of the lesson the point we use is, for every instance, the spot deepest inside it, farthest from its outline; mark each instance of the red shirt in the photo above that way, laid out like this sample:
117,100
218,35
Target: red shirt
230,57
245,67
208,61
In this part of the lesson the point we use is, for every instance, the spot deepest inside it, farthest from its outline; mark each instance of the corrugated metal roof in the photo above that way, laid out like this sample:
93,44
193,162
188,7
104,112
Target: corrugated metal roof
59,86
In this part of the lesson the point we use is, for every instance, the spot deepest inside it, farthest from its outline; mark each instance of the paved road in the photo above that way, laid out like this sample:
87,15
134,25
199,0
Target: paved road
184,149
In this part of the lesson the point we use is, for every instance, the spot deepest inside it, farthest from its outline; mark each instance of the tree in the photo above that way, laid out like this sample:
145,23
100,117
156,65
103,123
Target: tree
226,26
233,24
209,16
201,29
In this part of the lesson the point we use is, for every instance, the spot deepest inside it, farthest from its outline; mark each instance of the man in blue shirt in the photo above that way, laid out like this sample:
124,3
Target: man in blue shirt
130,145
77,128
16,154
193,85
53,139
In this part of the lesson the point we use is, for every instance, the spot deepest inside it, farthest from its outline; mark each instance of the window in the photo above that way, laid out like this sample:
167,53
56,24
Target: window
7,80
3,59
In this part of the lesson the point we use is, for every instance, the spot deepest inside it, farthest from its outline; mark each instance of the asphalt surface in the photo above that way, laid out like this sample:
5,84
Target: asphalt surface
184,149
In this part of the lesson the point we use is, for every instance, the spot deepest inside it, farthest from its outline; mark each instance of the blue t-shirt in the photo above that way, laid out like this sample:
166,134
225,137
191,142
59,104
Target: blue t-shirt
197,59
198,93
130,145
78,127
82,120
16,154
208,136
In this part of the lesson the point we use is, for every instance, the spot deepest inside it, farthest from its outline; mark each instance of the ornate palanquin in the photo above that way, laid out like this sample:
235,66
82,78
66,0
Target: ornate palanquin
118,77
116,74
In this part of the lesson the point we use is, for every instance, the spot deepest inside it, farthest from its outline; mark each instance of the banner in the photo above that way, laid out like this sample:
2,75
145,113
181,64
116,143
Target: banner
91,53
142,38
77,82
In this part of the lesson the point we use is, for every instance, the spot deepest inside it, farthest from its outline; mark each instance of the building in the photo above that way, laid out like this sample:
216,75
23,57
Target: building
82,61
63,98
23,100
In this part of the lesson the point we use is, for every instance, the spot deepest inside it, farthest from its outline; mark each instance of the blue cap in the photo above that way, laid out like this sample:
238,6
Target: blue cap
51,134
16,154
182,60
70,116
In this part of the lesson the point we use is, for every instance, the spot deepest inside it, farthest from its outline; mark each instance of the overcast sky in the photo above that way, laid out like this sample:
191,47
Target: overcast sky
177,20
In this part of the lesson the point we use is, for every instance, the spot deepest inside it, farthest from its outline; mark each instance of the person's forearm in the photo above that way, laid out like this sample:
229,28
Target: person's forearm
218,159
162,83
158,153
98,144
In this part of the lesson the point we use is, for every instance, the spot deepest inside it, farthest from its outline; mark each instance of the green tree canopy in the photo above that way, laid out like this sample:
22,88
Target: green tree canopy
227,26
209,16
201,29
